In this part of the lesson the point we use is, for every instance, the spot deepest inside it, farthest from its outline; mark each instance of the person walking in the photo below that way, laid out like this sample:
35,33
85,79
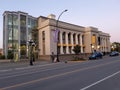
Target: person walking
52,56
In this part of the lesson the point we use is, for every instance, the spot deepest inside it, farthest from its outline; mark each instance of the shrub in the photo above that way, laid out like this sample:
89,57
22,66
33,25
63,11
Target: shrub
76,58
76,49
2,56
10,55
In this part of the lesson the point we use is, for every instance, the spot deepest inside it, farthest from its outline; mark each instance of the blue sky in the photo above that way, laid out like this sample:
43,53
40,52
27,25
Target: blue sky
103,14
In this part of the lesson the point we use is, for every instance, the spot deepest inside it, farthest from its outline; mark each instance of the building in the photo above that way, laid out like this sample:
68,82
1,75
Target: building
17,28
69,35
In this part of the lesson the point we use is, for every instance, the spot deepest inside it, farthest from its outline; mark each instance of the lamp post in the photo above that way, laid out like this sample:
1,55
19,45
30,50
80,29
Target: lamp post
58,31
92,47
98,48
112,48
31,45
115,47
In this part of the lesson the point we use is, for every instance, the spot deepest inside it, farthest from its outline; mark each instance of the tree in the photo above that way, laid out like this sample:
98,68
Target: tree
10,54
36,41
23,50
35,36
115,46
76,49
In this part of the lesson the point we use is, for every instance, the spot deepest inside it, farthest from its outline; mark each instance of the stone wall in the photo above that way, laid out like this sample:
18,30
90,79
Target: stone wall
66,57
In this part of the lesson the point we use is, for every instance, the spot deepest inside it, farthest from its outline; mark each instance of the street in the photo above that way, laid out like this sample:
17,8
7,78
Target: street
101,74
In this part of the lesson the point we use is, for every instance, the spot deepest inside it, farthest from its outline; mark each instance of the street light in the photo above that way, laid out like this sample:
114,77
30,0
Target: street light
115,47
112,48
98,47
31,45
92,47
58,30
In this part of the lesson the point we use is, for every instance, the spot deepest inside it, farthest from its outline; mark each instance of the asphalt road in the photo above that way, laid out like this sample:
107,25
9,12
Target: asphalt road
102,74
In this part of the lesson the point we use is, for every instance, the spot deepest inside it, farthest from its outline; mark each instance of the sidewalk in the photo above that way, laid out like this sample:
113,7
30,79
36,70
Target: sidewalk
23,61
6,65
4,61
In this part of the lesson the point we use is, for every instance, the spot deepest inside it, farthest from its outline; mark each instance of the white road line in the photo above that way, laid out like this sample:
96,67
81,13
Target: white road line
28,67
5,70
61,74
100,81
26,73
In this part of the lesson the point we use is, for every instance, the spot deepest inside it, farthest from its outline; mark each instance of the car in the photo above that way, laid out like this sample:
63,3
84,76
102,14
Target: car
114,53
96,55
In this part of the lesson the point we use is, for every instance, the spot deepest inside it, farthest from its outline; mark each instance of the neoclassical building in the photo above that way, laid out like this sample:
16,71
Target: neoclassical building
18,29
69,35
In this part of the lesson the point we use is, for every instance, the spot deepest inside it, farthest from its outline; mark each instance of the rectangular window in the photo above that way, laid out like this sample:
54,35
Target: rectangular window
93,39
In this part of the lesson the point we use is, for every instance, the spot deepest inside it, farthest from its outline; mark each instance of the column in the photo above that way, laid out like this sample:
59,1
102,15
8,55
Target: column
79,39
61,42
5,42
76,38
26,34
81,43
19,55
103,44
108,45
72,43
66,39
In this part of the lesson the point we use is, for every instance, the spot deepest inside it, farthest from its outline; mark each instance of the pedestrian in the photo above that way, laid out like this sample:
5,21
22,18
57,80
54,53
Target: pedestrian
52,56
33,58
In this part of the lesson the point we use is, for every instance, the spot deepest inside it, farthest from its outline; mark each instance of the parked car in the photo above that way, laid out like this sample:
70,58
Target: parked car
114,53
96,55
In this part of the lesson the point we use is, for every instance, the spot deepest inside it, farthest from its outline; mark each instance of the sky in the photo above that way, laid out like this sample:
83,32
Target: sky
103,14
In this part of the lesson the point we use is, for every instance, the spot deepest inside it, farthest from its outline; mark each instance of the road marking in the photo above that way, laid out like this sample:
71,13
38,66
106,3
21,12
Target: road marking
58,75
27,73
5,70
41,79
28,67
95,83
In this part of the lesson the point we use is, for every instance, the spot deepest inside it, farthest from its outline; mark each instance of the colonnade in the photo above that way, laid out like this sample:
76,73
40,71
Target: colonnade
105,43
67,41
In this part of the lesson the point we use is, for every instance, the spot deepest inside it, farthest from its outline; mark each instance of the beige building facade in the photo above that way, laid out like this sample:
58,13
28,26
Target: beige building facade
69,35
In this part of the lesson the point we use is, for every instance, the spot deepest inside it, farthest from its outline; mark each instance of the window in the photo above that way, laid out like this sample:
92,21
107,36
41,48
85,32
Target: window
63,36
64,50
69,38
78,39
43,35
74,41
